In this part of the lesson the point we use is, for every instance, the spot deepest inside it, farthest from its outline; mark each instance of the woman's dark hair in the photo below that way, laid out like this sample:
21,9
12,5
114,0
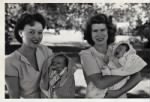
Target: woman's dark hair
27,19
98,19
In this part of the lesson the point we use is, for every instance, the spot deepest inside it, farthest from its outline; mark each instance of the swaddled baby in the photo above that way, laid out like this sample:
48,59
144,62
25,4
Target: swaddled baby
60,78
122,61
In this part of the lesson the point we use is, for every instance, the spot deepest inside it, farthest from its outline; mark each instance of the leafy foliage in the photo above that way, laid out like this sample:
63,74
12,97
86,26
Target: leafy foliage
75,15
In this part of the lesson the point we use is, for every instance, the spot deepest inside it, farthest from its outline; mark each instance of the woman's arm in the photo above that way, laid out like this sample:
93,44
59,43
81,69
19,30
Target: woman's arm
13,86
132,82
103,82
93,73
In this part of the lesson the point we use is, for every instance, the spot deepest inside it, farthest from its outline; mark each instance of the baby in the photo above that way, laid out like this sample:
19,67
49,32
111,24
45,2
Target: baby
123,58
122,61
59,78
117,54
57,69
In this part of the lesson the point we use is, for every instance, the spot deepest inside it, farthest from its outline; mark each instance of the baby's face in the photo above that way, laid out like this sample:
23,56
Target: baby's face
120,51
58,63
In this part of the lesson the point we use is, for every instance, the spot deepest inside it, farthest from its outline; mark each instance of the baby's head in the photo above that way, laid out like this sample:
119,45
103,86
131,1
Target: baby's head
121,50
59,62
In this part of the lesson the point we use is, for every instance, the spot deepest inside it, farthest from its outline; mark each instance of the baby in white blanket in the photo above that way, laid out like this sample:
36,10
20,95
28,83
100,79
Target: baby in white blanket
122,61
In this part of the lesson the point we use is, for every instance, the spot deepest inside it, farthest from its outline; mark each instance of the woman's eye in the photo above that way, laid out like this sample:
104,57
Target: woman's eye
95,30
40,33
103,30
31,32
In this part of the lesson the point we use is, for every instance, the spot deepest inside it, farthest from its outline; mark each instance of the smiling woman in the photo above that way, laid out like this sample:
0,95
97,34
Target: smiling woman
100,34
32,35
24,66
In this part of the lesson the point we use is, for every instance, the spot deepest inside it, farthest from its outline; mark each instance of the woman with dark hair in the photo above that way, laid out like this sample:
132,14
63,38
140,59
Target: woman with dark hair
100,34
24,66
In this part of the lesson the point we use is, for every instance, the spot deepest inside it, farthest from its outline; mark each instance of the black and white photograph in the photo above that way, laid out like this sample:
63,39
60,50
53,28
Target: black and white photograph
77,51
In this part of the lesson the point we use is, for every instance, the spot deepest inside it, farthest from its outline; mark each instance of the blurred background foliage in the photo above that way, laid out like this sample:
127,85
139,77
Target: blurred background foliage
74,16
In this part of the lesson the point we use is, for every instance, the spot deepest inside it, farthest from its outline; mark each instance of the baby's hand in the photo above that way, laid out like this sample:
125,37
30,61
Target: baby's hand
54,80
52,74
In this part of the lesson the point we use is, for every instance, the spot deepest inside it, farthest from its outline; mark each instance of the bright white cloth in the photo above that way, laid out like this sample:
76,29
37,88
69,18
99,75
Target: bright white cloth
130,64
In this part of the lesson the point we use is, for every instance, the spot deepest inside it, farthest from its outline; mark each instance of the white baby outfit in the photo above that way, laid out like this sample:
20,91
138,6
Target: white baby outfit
130,64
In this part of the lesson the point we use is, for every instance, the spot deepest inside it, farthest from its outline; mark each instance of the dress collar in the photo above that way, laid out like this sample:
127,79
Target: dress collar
95,52
39,56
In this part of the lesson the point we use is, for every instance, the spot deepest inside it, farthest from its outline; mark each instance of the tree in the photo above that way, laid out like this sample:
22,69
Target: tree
75,15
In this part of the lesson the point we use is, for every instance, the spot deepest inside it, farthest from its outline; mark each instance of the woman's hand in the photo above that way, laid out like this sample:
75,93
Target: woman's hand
131,83
112,94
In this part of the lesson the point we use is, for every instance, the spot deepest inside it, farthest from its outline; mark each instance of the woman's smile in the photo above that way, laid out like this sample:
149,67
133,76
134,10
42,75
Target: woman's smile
32,35
99,39
35,41
99,33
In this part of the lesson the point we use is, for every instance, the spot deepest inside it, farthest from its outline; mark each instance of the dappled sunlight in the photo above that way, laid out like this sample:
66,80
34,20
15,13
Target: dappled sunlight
65,36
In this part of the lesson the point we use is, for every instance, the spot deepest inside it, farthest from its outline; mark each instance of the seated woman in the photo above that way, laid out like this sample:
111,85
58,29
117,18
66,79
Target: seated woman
58,78
100,34
122,61
23,67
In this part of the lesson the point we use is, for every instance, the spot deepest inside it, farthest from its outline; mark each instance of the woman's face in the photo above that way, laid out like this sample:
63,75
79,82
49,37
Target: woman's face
99,34
32,35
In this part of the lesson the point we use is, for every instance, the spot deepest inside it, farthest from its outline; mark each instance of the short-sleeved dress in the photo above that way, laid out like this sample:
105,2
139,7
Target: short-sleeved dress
29,78
92,62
